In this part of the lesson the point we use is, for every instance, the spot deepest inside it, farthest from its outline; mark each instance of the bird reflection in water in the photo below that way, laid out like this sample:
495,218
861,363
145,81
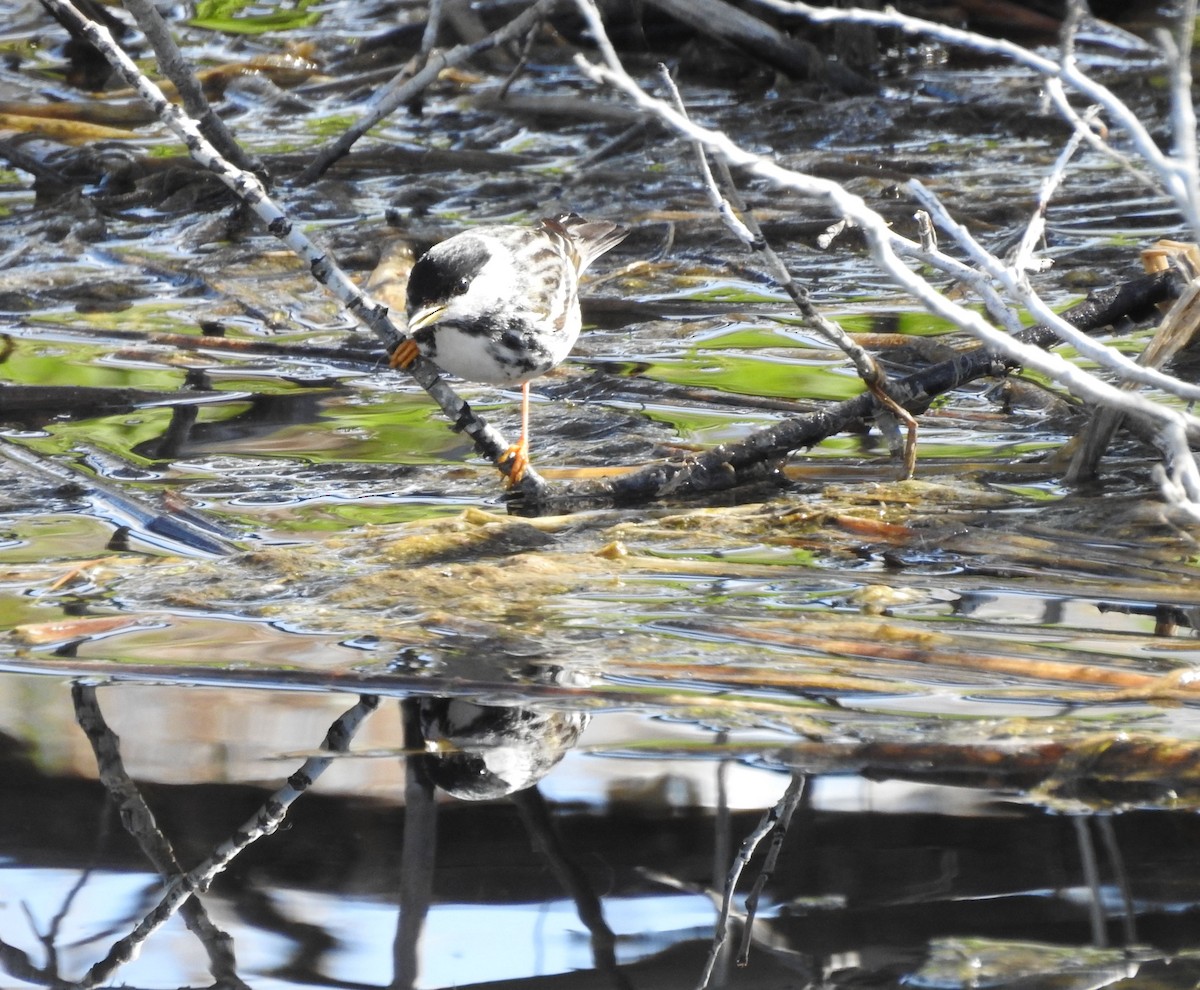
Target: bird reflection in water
477,752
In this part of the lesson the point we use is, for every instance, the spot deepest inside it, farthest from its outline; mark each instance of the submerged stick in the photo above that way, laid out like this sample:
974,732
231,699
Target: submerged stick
172,530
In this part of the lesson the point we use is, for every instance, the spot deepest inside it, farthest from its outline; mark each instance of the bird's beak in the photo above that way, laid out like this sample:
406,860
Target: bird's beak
424,317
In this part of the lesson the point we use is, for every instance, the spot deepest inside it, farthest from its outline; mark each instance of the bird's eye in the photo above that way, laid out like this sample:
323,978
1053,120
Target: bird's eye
462,285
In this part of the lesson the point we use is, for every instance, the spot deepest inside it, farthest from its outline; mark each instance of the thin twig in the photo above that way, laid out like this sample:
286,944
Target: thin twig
732,208
522,61
433,23
769,821
176,68
1035,230
1097,138
786,807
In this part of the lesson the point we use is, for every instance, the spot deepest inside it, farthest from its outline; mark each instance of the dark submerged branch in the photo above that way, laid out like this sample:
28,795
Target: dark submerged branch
761,453
731,25
407,85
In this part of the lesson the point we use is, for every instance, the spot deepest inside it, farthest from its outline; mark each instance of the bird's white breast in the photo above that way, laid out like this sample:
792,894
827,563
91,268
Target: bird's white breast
500,286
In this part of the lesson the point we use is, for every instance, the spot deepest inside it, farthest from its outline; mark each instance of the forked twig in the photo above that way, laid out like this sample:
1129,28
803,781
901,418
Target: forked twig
786,807
265,822
774,818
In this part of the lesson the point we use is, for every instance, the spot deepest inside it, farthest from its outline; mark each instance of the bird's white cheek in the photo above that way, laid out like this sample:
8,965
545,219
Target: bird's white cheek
495,283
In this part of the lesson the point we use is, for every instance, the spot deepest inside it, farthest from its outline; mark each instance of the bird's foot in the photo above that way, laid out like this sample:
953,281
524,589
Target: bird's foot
406,353
514,461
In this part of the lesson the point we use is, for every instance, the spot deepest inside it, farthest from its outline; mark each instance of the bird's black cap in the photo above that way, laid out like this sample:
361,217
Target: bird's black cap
445,271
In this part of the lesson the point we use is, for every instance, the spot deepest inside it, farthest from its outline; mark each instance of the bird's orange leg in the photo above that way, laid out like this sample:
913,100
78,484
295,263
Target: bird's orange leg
517,456
406,353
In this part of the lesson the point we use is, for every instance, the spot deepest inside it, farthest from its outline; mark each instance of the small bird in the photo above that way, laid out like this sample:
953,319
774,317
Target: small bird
500,304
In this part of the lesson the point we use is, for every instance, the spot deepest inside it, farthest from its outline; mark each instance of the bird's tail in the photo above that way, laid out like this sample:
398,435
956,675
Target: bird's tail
588,239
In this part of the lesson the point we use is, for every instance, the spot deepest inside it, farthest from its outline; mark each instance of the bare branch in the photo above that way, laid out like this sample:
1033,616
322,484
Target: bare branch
785,807
1017,286
433,22
881,242
176,68
1183,111
1172,172
740,219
